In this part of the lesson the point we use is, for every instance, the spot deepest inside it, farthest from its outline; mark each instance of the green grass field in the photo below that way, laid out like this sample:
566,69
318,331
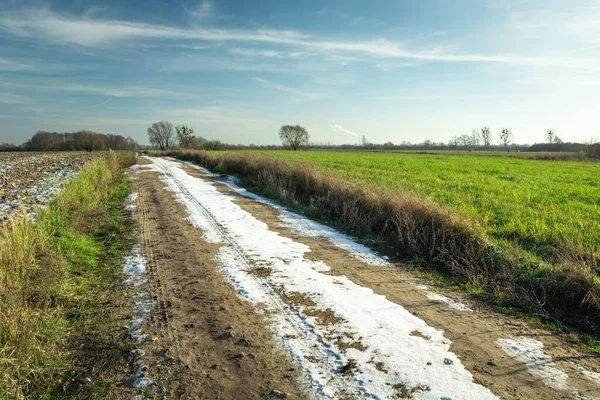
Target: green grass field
550,209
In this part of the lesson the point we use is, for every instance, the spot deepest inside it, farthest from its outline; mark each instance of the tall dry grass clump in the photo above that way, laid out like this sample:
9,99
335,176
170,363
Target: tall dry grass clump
34,285
415,228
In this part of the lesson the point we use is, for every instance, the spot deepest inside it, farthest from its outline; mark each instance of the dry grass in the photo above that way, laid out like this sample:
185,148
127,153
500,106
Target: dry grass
37,287
554,156
417,229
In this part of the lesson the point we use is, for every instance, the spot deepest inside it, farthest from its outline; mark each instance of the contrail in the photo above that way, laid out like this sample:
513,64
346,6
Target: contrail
340,128
103,103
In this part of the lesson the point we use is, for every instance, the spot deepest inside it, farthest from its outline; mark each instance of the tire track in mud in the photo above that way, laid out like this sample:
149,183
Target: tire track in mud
206,343
165,384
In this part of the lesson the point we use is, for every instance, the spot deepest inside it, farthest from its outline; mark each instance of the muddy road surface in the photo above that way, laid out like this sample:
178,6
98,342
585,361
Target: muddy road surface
251,301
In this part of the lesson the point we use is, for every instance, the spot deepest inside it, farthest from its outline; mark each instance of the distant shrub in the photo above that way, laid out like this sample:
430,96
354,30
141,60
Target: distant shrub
593,151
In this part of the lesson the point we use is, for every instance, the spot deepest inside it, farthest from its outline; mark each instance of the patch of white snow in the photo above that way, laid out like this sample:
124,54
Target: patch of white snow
529,351
382,328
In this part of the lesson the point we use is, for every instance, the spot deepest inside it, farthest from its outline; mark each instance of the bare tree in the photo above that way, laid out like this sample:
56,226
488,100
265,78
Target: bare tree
294,136
506,137
131,143
550,135
475,138
486,136
161,135
88,141
185,136
453,142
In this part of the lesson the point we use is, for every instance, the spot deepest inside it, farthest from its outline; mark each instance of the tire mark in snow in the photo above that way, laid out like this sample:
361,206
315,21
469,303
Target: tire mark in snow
369,348
134,268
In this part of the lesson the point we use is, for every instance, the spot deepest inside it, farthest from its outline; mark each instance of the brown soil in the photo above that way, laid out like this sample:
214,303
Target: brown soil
473,333
207,343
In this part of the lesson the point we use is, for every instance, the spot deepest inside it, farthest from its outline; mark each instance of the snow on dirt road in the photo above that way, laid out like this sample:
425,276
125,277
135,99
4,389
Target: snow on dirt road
348,340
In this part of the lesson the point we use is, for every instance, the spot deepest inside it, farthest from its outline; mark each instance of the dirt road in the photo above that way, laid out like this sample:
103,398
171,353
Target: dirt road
252,301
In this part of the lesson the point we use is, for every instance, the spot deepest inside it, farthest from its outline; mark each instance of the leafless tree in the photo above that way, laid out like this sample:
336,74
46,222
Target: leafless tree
550,135
506,137
475,138
88,141
131,143
161,135
294,136
185,136
486,136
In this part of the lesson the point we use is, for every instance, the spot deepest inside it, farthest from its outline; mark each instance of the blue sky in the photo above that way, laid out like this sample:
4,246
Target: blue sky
237,70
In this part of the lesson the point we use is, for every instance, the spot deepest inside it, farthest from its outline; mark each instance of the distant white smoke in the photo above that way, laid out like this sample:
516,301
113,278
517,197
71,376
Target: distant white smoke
340,128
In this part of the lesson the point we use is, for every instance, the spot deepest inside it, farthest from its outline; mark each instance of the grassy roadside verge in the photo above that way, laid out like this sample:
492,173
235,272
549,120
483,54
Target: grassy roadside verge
52,273
426,233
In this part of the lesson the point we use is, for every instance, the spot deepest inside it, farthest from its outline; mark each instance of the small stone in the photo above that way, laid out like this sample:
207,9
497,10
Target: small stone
448,361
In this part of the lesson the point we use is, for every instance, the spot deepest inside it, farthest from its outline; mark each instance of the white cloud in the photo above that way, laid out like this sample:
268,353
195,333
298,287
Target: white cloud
265,53
121,91
8,65
9,98
46,25
202,10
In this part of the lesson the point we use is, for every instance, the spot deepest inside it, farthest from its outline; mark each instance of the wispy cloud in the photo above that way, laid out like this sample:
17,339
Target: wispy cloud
265,53
103,103
202,10
8,65
296,93
89,32
36,66
125,91
9,98
388,66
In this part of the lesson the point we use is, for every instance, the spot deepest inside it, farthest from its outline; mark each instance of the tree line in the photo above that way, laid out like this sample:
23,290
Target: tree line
163,135
82,140
483,137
